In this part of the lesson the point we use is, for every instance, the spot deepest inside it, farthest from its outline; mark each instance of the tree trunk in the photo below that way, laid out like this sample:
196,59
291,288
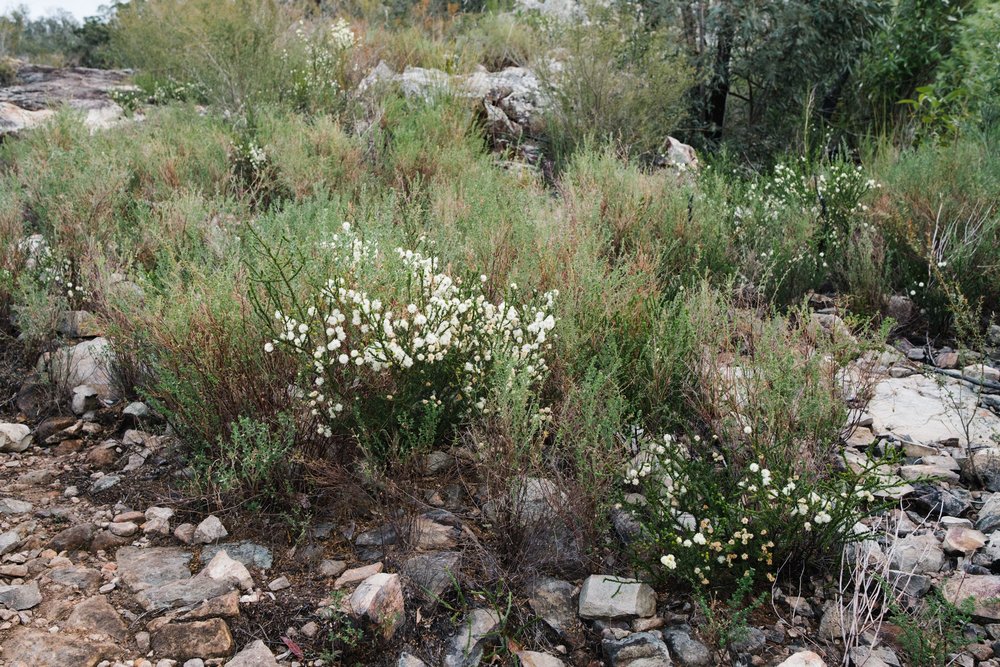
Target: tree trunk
718,94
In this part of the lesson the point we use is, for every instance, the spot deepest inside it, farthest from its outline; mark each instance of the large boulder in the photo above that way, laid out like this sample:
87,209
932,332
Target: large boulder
14,437
87,363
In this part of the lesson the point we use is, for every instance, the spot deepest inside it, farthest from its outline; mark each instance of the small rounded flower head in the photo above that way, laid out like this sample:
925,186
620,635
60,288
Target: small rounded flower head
747,430
669,562
269,347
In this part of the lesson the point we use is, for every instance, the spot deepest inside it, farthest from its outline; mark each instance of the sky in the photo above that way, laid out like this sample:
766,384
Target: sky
78,8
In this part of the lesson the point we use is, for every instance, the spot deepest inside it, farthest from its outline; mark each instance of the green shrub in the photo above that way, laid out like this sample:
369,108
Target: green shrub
759,485
252,460
620,82
229,49
393,351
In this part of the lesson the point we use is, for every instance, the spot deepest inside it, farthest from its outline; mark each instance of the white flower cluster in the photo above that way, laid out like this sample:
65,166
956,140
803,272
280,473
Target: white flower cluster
341,34
316,75
444,325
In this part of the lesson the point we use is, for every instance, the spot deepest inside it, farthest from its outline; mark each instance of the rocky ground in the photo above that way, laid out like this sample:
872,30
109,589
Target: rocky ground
104,561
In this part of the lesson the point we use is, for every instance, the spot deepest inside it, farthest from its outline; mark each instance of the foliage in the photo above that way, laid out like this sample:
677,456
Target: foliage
726,620
932,634
620,82
230,49
396,352
765,488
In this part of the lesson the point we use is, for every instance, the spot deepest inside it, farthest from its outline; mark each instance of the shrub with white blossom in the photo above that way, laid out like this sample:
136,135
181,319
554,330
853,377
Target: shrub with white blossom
394,350
710,521
315,62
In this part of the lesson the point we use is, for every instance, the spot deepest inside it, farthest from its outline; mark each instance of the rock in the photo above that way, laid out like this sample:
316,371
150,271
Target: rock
383,536
981,372
19,598
225,569
254,655
928,471
223,606
136,411
688,651
77,576
379,598
437,529
12,506
10,540
919,554
85,399
248,553
140,569
963,541
913,585
409,660
123,528
279,584
437,462
14,437
104,483
86,363
74,538
432,574
332,568
14,119
752,641
551,600
934,501
185,533
185,592
989,514
356,575
642,649
983,589
210,530
35,648
608,597
561,10
873,657
198,639
467,645
983,466
929,410
536,659
96,616
803,659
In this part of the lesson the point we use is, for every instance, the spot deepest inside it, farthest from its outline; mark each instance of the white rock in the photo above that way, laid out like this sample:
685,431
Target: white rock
14,437
224,568
210,530
803,659
609,597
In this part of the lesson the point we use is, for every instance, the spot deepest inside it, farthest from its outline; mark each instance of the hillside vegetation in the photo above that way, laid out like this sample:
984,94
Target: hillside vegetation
630,268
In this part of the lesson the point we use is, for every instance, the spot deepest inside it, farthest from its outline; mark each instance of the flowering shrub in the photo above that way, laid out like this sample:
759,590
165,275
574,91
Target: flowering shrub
316,64
815,217
712,522
411,357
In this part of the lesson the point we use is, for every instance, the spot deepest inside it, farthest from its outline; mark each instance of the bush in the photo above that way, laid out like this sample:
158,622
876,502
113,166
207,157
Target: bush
619,83
230,49
759,485
393,351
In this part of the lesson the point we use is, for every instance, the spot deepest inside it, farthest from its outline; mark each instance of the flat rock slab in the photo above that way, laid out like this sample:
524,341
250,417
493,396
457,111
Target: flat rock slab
183,593
248,553
77,576
140,569
643,649
11,506
200,639
35,648
19,598
96,616
929,410
984,589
